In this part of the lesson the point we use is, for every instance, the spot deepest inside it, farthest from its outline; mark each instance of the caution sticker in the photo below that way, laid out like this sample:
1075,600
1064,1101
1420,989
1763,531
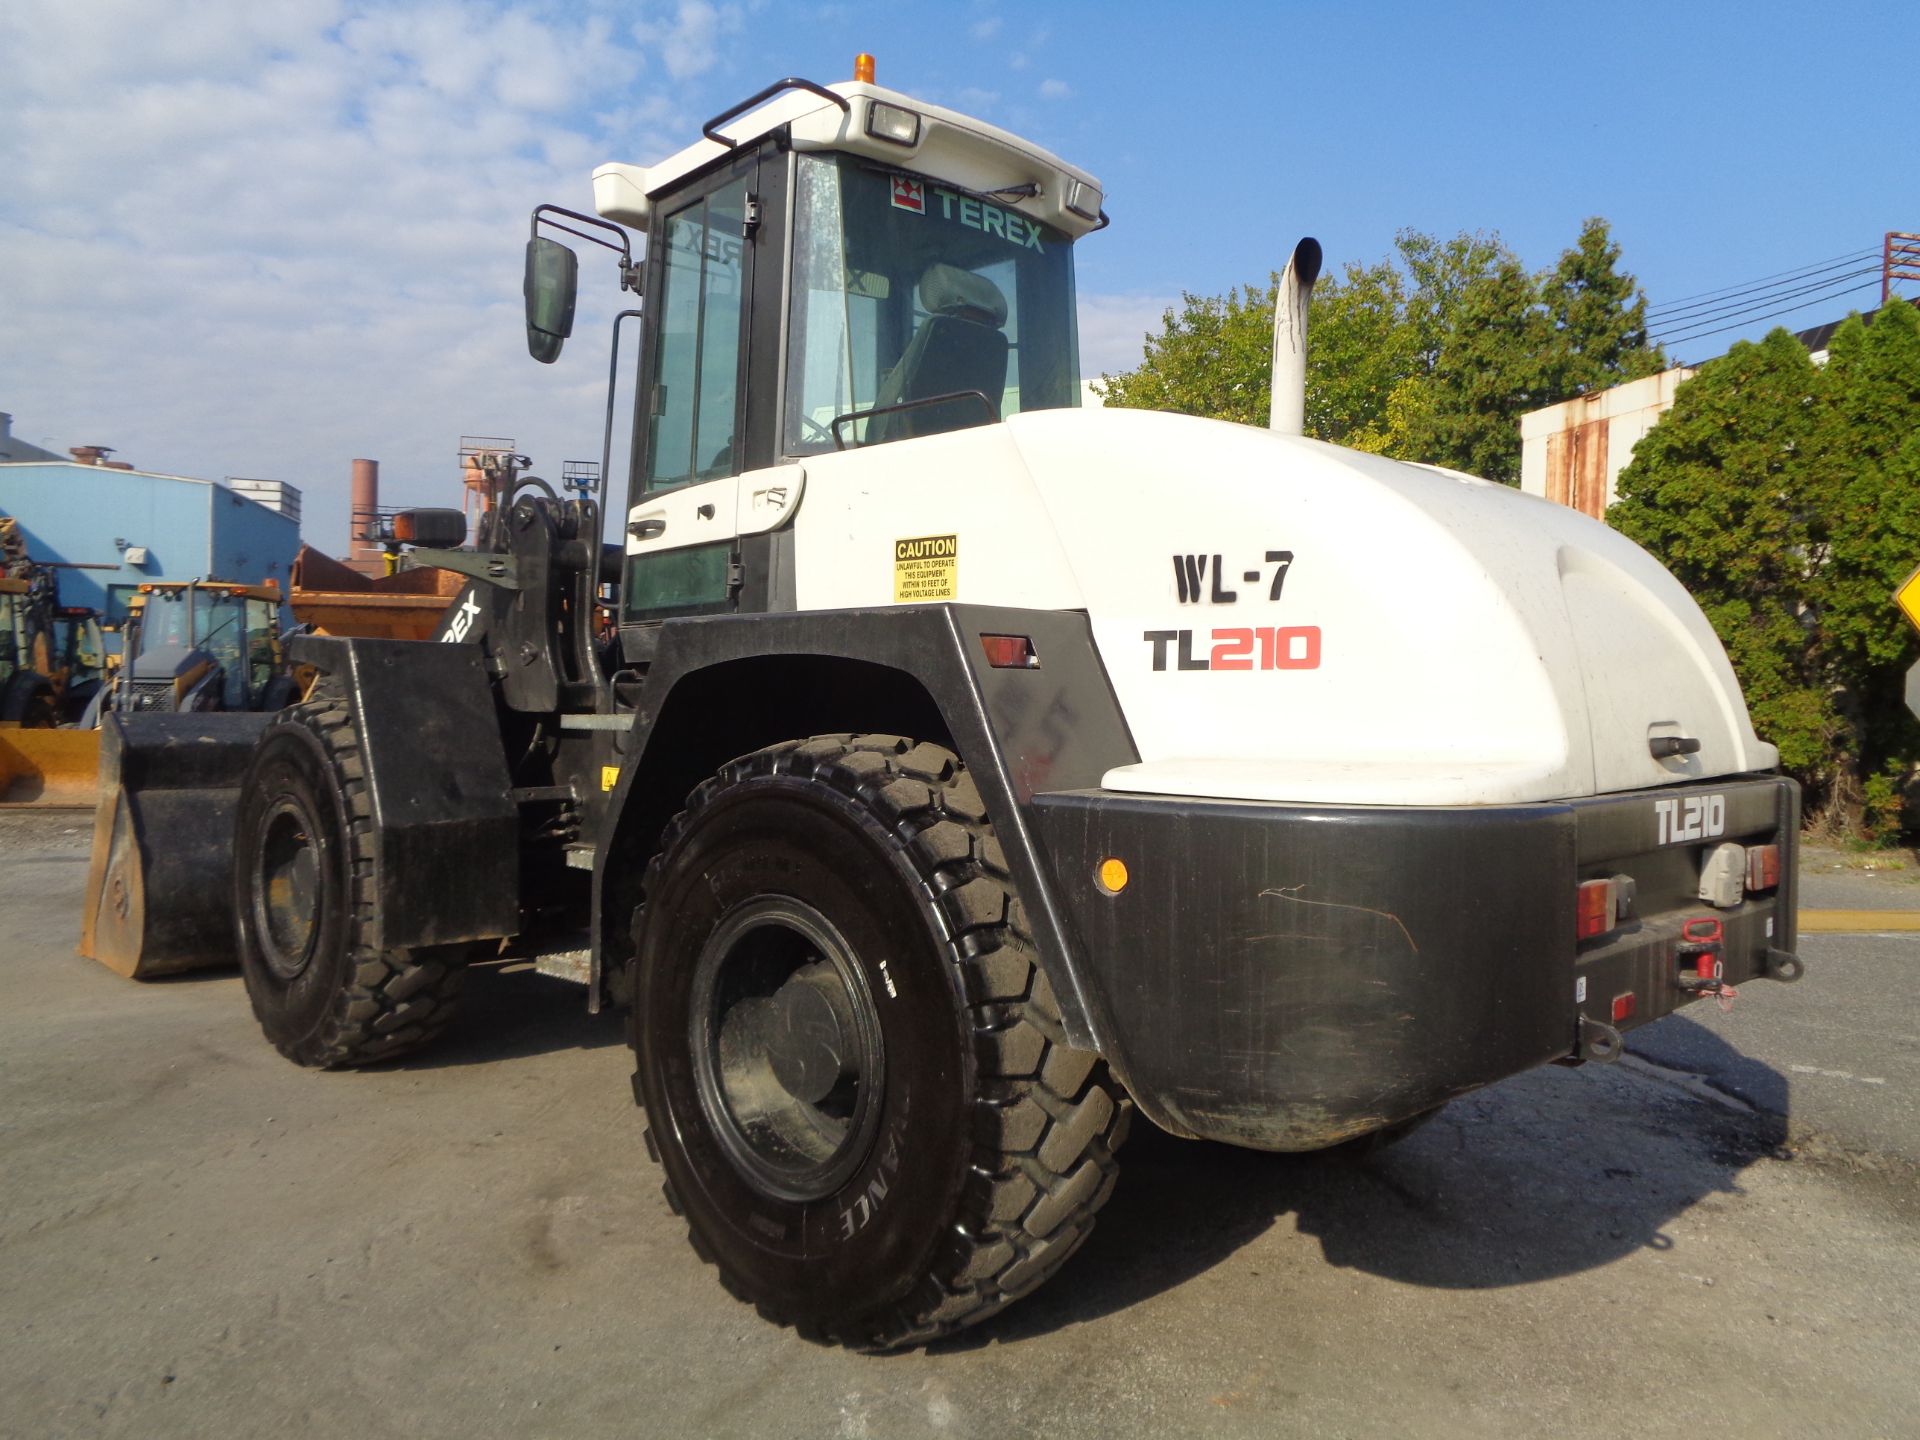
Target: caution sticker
609,776
927,568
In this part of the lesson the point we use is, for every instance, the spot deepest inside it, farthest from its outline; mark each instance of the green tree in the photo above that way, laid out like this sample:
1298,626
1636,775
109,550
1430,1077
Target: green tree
1869,492
1492,342
1787,499
1214,357
1722,491
1360,352
1599,318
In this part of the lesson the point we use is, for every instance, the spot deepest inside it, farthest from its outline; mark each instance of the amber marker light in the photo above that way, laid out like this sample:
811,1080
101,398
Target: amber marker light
863,68
1112,875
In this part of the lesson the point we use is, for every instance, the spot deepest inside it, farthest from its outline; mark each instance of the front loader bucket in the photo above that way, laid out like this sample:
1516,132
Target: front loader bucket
160,883
48,768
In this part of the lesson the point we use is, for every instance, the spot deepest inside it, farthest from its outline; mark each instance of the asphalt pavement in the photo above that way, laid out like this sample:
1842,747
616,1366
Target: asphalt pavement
1720,1235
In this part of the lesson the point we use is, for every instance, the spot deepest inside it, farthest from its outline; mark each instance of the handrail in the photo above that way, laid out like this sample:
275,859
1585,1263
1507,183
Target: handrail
792,82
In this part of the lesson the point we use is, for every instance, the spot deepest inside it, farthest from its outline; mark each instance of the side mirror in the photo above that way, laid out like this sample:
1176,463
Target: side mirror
553,277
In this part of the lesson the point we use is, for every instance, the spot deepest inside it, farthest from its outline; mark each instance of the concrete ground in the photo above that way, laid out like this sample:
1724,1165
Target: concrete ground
1721,1235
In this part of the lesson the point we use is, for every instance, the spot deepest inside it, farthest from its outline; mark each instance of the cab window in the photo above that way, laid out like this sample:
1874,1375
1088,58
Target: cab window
696,368
907,293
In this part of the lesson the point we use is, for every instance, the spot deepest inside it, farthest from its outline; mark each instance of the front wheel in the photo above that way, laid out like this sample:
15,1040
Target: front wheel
854,1072
304,905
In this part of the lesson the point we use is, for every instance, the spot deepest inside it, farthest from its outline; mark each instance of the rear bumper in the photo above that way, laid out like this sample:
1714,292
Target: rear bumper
1289,976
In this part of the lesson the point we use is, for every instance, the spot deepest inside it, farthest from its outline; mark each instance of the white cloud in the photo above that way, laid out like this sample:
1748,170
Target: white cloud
986,29
1113,330
265,239
1055,90
972,100
689,43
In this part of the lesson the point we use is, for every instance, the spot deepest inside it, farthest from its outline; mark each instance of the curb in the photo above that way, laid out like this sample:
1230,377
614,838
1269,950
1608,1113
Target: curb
1850,922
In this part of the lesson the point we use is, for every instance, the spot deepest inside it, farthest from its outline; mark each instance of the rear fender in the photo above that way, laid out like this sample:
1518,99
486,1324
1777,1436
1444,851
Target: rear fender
1055,726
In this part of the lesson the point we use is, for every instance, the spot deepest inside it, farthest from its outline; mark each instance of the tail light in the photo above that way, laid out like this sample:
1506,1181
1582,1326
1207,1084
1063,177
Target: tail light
1763,867
1594,910
1009,652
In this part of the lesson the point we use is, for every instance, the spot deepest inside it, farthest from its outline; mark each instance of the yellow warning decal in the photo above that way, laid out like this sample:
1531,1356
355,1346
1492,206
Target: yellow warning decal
927,568
609,776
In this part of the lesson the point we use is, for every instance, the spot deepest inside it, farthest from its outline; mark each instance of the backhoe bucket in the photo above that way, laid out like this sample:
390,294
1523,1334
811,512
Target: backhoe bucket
160,883
48,768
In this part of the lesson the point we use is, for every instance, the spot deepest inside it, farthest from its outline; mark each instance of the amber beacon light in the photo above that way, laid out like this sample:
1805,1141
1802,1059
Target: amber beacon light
863,68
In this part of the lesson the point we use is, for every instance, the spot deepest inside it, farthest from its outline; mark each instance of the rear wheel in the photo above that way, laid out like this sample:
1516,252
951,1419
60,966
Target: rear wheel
855,1074
304,904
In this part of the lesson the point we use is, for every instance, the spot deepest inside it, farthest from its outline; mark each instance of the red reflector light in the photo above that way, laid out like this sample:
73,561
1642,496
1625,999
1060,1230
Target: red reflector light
1763,867
1009,652
1623,1007
1594,911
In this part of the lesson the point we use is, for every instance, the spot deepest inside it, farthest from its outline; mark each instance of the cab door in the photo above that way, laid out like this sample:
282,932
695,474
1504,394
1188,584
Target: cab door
682,540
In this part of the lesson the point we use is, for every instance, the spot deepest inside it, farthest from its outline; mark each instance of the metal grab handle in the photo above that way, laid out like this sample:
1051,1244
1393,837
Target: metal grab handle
647,529
793,82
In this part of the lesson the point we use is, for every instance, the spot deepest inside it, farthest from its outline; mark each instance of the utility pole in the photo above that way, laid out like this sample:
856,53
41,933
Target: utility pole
1899,260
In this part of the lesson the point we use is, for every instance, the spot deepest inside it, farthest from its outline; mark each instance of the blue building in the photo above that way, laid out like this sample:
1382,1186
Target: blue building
110,529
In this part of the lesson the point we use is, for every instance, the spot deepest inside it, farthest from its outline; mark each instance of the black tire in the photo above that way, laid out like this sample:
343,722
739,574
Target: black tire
964,1160
304,904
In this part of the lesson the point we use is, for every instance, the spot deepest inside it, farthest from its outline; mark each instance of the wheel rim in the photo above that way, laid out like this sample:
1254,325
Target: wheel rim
286,893
787,1053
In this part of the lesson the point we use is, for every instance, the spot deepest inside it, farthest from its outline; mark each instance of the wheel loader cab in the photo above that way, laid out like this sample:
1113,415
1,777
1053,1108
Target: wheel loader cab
841,268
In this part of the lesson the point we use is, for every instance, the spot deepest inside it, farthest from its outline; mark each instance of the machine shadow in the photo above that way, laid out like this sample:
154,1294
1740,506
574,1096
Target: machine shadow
1549,1174
515,1014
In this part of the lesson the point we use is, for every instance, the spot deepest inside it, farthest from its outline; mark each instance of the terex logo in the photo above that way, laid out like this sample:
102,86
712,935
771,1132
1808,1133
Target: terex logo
1283,647
463,619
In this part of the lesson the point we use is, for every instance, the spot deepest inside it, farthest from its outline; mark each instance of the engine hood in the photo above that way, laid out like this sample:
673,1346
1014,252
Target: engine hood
1286,619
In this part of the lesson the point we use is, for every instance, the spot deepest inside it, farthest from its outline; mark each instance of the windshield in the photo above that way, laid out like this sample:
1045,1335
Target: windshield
165,620
212,624
904,291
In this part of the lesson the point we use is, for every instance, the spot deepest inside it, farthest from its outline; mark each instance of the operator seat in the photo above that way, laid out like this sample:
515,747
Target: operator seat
960,346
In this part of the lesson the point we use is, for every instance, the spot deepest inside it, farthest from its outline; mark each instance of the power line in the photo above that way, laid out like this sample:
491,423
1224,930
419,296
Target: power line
1754,320
1733,311
1670,312
1686,300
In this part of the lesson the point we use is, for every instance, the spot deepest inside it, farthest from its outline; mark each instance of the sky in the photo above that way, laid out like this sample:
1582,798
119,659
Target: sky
265,237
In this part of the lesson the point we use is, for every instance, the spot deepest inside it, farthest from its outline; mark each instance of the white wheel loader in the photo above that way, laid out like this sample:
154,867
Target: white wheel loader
971,768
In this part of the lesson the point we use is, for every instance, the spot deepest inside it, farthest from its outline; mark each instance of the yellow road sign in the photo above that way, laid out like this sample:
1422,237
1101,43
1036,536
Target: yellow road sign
1907,597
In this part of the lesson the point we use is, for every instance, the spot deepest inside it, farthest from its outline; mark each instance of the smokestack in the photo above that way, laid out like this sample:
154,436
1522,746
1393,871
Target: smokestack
1288,415
364,553
366,500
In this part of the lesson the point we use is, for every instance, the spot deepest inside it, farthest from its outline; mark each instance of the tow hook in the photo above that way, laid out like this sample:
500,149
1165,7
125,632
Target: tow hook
1784,966
1599,1042
1701,957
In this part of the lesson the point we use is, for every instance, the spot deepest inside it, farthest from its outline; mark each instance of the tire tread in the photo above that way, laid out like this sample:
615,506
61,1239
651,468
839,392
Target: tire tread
395,1001
1049,1119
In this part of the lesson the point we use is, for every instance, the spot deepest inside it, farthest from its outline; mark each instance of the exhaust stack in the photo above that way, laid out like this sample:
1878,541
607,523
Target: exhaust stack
1288,414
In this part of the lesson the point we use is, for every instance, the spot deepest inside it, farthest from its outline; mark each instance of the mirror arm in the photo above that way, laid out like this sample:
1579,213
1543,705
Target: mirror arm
629,272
